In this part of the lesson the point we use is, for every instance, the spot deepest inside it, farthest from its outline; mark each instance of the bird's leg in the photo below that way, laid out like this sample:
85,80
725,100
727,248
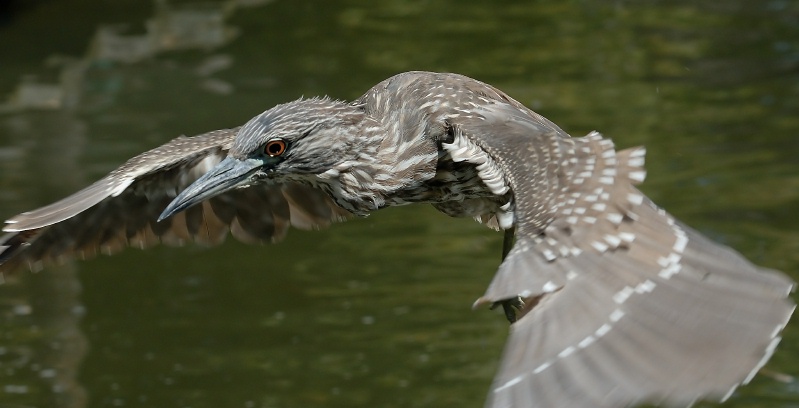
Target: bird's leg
509,306
507,242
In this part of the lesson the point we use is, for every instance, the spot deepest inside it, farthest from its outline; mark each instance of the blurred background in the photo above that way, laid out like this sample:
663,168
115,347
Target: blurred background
374,312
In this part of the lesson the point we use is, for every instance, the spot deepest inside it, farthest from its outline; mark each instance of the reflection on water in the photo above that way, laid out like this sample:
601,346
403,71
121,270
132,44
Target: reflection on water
376,311
171,28
43,346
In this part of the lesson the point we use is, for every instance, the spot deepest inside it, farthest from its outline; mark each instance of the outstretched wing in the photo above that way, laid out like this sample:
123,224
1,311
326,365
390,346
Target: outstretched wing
121,209
630,305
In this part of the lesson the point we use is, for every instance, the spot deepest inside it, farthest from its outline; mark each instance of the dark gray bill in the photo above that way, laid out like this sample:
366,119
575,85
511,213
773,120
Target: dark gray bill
228,174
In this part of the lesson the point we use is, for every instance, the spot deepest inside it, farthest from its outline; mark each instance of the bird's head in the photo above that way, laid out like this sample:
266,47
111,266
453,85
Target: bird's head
290,141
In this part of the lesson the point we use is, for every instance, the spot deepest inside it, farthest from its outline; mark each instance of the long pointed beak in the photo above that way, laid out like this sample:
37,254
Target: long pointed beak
228,174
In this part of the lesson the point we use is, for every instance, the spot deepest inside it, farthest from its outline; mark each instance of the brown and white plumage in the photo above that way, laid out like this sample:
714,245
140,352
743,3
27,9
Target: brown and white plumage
625,304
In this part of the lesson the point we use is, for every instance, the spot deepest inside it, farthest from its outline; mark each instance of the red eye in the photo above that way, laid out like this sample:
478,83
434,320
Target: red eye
275,147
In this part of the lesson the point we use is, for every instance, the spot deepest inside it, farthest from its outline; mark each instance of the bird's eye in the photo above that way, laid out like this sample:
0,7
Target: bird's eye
275,148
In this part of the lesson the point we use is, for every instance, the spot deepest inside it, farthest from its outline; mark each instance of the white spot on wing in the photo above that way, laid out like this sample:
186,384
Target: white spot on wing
622,295
510,383
566,352
550,287
616,315
602,330
586,341
645,287
121,187
637,175
635,199
542,367
599,246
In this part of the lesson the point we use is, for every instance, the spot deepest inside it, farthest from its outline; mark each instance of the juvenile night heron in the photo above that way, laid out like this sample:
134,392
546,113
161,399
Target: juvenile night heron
618,303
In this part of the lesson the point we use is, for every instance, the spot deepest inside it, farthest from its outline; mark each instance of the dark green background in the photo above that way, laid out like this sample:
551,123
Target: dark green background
374,312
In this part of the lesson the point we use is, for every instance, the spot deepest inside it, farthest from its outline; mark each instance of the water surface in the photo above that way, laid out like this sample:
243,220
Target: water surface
373,312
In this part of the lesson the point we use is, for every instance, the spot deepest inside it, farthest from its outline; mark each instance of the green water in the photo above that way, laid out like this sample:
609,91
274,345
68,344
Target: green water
373,312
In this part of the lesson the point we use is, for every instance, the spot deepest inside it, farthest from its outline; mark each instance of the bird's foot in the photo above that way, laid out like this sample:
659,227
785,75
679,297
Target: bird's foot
510,307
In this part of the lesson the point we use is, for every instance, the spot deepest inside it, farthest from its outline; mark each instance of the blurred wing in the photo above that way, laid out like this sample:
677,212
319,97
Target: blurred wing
627,304
121,209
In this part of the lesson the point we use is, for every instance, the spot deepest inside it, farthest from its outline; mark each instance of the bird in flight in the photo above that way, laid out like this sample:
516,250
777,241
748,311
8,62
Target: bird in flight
613,302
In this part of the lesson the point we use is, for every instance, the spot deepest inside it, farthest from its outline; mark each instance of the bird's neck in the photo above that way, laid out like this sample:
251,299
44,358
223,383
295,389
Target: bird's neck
396,154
